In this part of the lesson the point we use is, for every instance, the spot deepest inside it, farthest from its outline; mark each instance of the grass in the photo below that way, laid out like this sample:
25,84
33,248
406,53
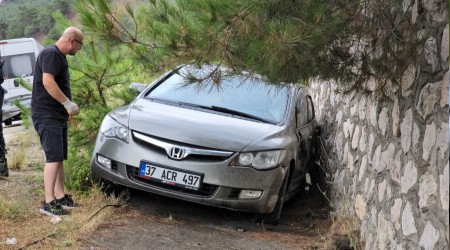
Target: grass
21,196
344,229
16,160
11,210
23,150
42,233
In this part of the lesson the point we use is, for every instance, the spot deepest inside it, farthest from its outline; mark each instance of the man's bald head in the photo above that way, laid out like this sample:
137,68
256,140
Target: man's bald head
73,33
71,41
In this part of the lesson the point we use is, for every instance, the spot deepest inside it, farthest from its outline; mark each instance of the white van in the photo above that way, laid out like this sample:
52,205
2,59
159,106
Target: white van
20,57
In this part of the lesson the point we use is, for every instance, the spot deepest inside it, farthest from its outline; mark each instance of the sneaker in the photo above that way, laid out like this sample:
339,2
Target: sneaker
4,173
67,202
52,208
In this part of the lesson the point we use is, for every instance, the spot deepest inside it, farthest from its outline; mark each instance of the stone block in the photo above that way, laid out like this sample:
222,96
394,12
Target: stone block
362,168
407,80
348,128
383,121
406,128
438,13
427,190
409,177
376,159
395,213
429,237
414,12
372,112
429,140
442,141
415,136
408,222
355,138
360,207
444,188
396,119
381,190
386,158
362,140
362,107
444,46
395,167
444,90
430,50
430,96
385,232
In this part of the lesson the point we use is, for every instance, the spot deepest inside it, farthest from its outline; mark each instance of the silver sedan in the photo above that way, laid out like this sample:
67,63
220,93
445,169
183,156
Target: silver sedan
209,136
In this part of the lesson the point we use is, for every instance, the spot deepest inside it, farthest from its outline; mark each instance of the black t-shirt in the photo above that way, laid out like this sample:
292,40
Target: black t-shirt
43,105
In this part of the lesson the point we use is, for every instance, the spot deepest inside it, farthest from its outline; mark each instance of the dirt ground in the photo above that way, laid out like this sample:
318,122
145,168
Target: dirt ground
153,222
150,221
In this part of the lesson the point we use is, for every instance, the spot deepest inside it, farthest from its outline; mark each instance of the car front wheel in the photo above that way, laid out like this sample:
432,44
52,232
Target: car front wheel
8,122
274,217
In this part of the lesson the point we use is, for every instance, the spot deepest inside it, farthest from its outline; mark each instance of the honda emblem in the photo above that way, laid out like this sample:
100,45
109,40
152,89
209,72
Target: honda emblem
177,153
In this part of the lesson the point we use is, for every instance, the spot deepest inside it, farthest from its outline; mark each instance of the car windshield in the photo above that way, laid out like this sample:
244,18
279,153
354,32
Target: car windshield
241,95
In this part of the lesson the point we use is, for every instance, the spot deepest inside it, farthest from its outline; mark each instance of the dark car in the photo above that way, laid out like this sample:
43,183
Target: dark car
227,140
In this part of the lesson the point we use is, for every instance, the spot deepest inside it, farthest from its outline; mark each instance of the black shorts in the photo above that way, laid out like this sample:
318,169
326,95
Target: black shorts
53,135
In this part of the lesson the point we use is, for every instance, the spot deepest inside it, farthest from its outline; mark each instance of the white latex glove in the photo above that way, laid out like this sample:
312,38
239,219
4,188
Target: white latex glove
71,107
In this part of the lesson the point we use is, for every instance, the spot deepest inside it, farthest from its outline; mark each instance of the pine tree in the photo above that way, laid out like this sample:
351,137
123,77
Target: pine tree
285,40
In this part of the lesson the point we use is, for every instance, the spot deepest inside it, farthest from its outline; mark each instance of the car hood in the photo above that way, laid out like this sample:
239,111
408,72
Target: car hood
198,127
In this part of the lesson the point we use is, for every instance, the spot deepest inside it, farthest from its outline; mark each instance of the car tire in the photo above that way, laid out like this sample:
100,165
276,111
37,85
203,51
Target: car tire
274,217
8,122
112,189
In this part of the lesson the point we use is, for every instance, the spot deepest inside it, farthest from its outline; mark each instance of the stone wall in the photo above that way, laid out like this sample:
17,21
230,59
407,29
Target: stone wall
388,152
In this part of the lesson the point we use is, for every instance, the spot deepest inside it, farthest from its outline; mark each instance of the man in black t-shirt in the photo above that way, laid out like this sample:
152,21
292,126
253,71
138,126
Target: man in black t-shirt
51,107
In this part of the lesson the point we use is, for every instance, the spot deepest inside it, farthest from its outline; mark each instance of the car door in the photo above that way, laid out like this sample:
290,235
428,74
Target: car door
313,132
303,132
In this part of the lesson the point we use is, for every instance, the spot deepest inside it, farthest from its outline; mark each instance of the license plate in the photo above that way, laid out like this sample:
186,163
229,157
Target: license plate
170,176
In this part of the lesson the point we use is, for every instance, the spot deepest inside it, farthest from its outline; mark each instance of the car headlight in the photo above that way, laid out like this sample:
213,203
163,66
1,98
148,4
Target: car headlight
259,160
112,129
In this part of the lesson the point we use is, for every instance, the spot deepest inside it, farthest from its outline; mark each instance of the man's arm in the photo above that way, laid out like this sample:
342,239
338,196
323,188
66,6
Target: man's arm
53,89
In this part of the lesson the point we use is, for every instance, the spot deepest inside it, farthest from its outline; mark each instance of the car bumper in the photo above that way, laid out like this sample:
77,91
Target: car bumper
221,186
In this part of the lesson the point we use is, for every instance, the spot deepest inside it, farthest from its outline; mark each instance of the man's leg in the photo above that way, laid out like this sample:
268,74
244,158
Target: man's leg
51,206
51,170
59,184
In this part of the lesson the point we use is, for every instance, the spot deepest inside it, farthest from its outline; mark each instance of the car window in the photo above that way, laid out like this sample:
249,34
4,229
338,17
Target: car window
302,110
249,95
21,65
18,65
310,109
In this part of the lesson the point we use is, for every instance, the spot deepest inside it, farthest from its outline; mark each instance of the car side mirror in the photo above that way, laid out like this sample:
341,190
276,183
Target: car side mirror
138,87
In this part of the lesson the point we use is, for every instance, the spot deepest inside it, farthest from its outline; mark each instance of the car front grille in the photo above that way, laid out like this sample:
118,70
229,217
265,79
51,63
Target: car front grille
158,145
206,190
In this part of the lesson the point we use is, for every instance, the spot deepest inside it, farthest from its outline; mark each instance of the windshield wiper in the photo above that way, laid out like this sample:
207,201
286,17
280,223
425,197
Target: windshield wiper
217,108
239,113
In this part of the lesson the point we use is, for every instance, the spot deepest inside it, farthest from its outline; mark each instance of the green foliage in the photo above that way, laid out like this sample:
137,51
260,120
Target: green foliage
287,41
22,18
100,76
24,84
25,115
